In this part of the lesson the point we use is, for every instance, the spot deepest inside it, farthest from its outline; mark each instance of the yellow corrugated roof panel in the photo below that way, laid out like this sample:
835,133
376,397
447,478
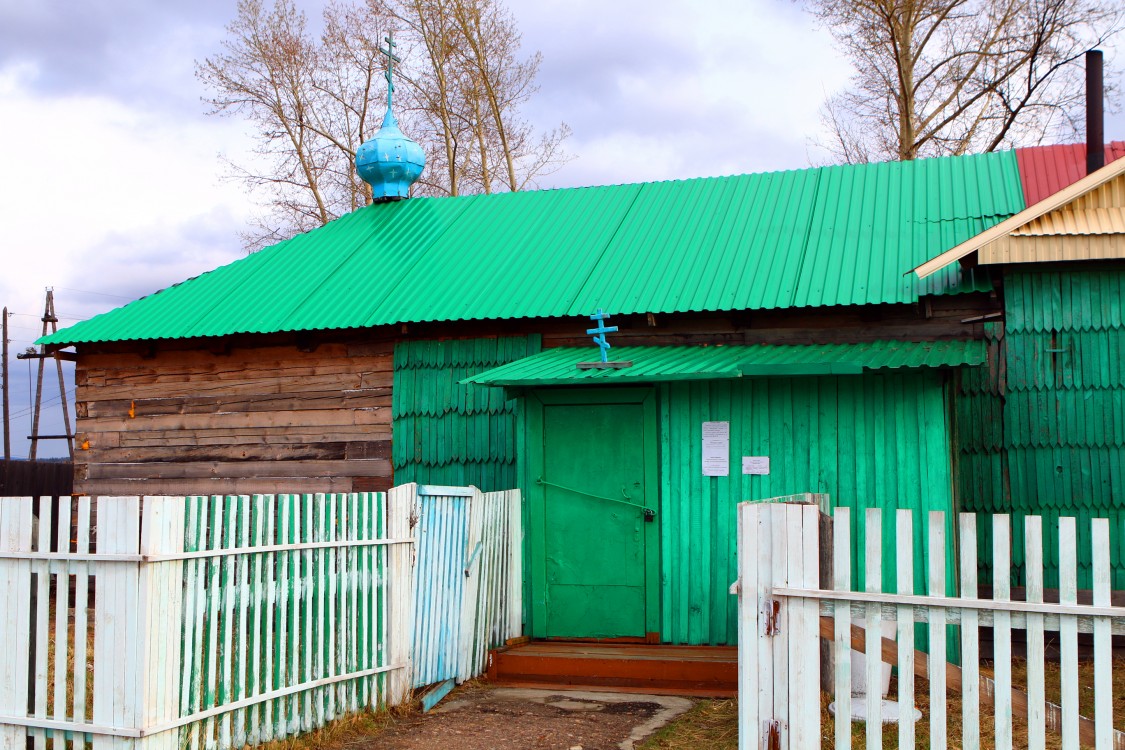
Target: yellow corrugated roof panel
1076,222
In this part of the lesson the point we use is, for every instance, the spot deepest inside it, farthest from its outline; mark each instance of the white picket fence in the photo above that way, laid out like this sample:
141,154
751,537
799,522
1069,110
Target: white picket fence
784,610
205,622
468,580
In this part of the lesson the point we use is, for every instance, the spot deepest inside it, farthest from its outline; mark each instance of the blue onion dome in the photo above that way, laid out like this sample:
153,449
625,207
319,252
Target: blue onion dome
390,162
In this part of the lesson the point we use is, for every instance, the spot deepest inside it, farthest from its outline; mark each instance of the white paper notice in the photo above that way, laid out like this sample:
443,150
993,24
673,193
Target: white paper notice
755,464
716,449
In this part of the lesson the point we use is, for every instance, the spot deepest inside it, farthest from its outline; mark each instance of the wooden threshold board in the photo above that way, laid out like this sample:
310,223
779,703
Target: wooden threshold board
668,670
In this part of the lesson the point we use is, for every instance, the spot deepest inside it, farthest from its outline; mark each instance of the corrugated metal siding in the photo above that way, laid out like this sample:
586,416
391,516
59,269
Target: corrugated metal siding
1069,221
1109,195
466,579
878,440
1063,411
1053,249
661,363
831,236
452,434
1045,170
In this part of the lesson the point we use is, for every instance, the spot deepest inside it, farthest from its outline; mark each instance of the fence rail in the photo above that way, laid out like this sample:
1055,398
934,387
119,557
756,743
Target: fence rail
785,607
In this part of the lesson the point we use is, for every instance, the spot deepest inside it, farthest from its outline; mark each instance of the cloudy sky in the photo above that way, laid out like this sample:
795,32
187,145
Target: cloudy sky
112,184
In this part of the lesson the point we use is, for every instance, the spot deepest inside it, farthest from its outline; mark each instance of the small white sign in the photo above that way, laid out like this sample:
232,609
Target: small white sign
716,449
755,464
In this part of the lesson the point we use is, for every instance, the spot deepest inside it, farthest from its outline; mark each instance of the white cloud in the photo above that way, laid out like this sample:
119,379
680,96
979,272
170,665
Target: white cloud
730,87
94,189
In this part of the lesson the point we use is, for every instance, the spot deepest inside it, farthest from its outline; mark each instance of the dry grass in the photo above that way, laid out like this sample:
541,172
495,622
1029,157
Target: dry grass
714,724
70,675
355,730
711,724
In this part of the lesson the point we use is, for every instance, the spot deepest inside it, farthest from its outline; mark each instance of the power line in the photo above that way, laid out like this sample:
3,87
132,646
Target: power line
100,294
49,402
40,317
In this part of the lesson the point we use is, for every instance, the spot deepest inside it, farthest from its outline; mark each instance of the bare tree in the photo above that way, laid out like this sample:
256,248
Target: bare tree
936,77
437,92
308,100
314,100
500,82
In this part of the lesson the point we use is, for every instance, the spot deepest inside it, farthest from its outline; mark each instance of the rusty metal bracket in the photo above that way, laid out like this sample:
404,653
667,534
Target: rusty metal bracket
771,734
771,616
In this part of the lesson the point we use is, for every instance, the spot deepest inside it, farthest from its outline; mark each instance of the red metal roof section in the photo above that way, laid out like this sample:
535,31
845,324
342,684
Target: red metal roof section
1045,170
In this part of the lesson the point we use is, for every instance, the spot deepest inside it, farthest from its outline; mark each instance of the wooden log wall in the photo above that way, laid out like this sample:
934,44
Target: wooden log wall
311,412
266,419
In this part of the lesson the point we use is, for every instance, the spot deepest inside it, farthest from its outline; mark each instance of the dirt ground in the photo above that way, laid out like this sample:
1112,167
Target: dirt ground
478,717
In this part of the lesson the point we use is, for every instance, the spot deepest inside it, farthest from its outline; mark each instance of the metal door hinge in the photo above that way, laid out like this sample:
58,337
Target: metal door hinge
771,616
771,734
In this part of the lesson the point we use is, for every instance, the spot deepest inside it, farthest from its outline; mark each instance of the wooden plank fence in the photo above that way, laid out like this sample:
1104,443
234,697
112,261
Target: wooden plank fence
784,609
212,622
22,477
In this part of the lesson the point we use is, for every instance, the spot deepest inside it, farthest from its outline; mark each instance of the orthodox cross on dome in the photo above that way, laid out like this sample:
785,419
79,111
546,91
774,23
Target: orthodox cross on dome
600,332
391,60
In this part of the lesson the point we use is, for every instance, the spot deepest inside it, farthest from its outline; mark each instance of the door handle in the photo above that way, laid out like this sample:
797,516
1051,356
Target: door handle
649,513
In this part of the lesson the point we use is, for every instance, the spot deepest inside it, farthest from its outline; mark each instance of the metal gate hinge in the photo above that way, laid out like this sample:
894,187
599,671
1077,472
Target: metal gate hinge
771,734
771,615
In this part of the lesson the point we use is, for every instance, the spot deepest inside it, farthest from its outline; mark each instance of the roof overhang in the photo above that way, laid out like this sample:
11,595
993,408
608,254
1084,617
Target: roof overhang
1029,214
651,364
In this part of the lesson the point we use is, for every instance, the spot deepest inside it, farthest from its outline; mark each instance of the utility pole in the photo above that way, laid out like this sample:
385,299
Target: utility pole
4,376
49,318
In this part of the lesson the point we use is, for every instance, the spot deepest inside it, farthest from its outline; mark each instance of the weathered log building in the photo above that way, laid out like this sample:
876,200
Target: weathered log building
440,341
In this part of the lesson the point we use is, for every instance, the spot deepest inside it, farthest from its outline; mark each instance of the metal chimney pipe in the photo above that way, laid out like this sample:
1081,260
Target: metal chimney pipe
1095,123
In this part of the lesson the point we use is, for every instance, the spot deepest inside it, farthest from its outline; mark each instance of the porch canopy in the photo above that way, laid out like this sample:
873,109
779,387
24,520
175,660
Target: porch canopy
566,365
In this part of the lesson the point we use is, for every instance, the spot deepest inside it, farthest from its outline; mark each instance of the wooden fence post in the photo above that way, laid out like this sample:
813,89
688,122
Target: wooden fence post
15,623
161,613
470,597
116,639
778,664
401,503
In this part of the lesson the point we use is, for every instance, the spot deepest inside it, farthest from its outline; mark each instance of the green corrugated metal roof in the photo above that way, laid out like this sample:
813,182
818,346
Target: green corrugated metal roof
666,363
830,236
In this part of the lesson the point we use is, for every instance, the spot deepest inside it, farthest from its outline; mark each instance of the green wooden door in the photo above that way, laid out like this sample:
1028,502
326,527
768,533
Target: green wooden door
594,548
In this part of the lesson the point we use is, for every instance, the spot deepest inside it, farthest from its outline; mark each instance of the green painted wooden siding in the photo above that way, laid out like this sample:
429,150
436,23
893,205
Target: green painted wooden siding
452,434
1043,432
879,440
978,429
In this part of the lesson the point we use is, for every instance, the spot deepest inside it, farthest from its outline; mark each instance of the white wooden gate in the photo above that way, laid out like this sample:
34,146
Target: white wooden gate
468,579
783,611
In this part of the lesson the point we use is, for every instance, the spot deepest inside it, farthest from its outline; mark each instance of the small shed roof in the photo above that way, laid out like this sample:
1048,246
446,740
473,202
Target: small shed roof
665,363
829,236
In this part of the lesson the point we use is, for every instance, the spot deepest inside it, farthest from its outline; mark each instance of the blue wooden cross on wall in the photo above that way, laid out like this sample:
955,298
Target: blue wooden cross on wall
600,332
